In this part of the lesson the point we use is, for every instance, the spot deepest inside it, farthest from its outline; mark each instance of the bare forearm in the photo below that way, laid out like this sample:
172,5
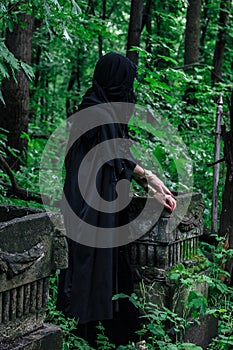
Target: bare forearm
155,186
138,172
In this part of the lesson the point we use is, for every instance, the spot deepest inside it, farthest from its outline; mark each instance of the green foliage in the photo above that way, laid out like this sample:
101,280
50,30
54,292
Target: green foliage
220,296
102,340
63,39
187,101
216,276
7,58
65,50
67,325
155,321
198,303
9,65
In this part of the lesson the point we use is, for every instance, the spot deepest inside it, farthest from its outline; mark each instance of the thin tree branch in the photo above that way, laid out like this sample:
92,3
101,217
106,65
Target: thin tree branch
20,192
6,168
40,136
218,161
201,65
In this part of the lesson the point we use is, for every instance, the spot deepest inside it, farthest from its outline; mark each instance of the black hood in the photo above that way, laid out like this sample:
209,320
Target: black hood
112,81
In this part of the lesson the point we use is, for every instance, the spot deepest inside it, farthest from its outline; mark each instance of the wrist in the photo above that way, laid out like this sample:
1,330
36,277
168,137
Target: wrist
147,173
139,172
142,174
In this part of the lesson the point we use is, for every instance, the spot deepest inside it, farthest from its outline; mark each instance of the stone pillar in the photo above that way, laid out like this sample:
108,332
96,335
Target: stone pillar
31,248
171,241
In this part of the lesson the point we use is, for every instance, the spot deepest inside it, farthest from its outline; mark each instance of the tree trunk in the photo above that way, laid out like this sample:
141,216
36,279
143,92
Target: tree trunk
103,17
204,26
217,151
14,115
37,62
226,219
74,84
146,21
90,8
225,6
72,80
192,32
135,26
37,24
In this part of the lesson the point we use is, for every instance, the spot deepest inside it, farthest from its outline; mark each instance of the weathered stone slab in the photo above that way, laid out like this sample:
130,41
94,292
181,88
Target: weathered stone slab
9,212
174,237
31,248
27,248
48,337
203,333
171,296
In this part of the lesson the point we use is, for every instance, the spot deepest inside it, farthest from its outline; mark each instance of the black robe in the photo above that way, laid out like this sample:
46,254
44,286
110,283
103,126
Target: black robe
94,275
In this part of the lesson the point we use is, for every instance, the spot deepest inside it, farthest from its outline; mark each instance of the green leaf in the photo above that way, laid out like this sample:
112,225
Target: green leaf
23,25
120,296
67,36
1,98
167,59
24,135
3,71
56,3
13,152
189,346
75,8
8,57
156,330
141,51
27,70
174,276
222,310
171,347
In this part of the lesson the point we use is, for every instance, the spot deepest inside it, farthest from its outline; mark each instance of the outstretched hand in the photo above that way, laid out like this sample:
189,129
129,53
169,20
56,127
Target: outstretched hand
167,200
159,191
155,187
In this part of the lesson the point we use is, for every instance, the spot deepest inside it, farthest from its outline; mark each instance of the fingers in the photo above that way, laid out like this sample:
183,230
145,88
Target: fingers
166,190
170,203
163,189
159,191
156,183
167,206
167,200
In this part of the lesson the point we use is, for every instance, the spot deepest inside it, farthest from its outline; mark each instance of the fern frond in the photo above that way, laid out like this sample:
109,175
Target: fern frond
8,57
1,98
3,71
27,70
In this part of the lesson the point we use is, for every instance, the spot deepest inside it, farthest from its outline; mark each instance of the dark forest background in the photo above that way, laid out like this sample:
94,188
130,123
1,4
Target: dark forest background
184,53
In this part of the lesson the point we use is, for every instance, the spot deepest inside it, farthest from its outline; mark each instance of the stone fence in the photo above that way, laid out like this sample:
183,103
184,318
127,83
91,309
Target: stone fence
31,248
171,241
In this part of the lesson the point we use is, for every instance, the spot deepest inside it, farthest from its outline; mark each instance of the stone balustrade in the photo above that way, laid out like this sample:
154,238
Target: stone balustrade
31,248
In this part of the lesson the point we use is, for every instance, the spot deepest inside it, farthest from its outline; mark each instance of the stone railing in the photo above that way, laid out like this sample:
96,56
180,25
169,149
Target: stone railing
172,240
31,248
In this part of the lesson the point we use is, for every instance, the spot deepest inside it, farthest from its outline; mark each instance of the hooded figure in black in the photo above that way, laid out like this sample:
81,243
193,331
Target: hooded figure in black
94,275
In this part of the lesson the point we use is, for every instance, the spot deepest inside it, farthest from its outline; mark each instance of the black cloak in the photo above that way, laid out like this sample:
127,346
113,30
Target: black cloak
94,275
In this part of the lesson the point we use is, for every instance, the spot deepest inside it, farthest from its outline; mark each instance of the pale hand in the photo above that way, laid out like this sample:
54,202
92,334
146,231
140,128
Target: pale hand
159,191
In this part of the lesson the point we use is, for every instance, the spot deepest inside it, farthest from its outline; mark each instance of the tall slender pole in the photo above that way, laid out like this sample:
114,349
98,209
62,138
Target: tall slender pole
219,113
